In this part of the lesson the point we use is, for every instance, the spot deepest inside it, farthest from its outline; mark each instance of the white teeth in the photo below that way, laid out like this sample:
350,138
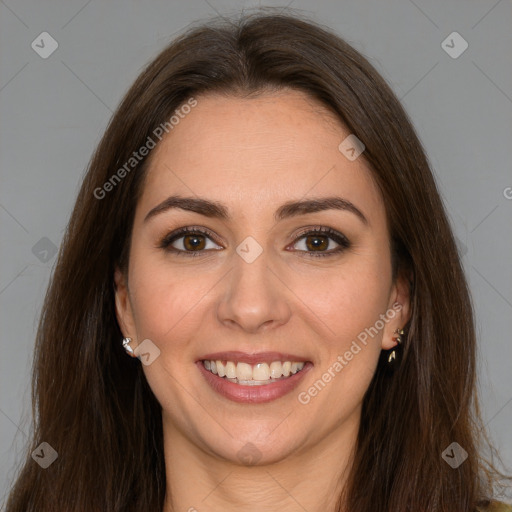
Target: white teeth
220,369
260,373
230,370
276,369
243,371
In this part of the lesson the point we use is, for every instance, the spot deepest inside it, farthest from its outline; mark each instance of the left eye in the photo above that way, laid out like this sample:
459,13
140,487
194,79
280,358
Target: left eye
317,243
314,243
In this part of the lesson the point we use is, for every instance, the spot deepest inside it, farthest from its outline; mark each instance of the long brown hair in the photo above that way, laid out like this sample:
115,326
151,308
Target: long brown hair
92,403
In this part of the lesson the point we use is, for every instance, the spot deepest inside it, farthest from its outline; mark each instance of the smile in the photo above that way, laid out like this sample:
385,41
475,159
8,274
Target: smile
253,375
253,378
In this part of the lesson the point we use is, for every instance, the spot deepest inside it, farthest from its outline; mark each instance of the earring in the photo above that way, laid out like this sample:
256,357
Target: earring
126,346
398,338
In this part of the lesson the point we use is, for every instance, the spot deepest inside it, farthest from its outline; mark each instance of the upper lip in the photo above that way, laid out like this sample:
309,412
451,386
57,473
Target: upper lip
260,357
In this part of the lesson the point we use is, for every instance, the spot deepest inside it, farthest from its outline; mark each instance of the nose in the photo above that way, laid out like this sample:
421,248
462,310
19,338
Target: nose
254,299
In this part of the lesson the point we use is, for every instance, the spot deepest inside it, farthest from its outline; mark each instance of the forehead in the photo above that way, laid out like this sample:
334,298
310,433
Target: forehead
258,152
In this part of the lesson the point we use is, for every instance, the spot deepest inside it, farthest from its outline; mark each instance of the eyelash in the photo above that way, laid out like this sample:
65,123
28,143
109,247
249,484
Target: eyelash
340,239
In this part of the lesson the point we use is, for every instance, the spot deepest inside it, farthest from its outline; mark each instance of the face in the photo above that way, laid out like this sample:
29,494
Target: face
258,283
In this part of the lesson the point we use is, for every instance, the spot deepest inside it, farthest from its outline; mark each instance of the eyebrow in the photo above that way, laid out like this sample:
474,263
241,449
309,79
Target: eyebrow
289,209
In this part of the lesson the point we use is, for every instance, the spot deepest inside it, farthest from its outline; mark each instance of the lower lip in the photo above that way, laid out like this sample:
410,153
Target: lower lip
253,394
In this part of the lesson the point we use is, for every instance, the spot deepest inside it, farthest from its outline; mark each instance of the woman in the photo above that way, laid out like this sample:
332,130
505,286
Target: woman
248,310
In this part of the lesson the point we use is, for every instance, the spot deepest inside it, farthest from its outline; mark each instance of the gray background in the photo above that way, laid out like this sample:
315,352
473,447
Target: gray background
53,112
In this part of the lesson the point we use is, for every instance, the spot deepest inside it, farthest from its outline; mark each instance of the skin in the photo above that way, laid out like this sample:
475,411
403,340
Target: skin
253,155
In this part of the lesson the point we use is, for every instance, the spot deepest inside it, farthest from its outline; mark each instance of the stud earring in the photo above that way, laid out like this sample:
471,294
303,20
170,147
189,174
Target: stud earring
126,346
393,354
398,338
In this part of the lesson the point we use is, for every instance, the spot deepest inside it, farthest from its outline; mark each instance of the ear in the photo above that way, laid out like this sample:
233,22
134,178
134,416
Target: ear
399,310
124,312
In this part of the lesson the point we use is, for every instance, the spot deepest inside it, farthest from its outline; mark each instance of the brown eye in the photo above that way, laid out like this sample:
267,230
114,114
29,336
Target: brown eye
194,242
317,242
188,242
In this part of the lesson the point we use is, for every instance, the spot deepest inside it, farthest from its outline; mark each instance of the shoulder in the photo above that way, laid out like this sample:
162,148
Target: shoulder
496,506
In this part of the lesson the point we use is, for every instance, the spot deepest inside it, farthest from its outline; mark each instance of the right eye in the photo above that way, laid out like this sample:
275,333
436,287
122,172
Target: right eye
189,241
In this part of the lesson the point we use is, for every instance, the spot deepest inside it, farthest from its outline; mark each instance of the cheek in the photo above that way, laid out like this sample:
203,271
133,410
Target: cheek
348,298
350,346
166,301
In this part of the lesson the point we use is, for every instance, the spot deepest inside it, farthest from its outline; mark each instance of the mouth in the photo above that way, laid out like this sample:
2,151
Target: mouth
258,374
253,378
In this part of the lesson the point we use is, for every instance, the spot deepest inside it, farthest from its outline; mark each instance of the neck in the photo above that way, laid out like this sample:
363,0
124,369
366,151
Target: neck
311,480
